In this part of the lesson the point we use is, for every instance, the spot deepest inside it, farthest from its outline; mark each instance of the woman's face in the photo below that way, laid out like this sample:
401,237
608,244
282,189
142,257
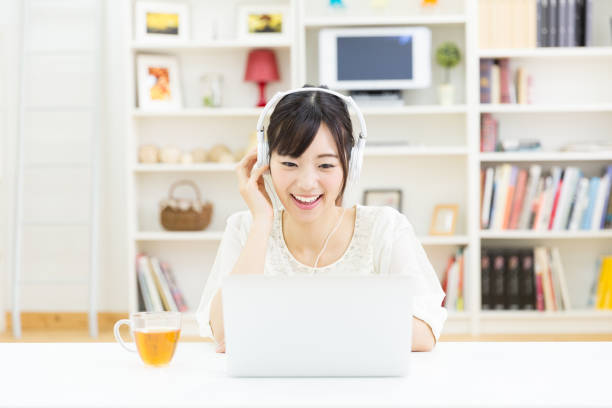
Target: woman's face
309,185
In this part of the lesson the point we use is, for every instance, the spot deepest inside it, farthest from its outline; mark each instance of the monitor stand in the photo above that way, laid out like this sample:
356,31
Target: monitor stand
378,97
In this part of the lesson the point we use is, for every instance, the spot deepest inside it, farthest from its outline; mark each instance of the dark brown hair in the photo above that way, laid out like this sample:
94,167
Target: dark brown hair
296,119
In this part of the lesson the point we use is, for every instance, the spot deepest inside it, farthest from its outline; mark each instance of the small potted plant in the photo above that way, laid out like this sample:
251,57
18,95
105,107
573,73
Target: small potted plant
447,56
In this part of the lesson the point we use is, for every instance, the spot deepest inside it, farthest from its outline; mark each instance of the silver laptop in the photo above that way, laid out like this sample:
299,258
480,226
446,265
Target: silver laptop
325,326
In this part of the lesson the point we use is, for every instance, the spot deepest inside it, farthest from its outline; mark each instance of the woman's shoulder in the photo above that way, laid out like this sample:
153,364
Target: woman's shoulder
384,220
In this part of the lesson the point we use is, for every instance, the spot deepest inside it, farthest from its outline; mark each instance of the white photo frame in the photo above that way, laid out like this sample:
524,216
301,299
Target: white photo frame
251,23
158,80
165,21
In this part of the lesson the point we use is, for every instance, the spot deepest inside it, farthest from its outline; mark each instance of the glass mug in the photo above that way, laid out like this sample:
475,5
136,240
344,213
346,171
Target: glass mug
155,334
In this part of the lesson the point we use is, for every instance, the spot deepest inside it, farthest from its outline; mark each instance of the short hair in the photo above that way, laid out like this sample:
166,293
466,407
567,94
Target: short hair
296,119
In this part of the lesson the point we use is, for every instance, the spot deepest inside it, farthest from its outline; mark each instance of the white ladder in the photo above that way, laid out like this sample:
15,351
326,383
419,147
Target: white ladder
36,58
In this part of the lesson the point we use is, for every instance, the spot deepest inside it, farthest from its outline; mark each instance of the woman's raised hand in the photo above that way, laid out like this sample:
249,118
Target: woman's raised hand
252,190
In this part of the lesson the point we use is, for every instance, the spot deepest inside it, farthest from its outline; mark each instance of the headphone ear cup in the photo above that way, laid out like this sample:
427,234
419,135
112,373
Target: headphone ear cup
262,150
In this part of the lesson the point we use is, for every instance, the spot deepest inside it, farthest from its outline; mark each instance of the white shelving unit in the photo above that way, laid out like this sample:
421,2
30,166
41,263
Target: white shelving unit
438,163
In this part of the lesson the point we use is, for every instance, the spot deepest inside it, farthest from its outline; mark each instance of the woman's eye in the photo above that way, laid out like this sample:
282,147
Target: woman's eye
326,166
289,164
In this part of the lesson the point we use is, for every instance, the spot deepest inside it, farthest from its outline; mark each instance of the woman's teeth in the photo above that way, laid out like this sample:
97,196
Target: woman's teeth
305,199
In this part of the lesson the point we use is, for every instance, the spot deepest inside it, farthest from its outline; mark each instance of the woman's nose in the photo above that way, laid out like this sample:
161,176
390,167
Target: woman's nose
307,179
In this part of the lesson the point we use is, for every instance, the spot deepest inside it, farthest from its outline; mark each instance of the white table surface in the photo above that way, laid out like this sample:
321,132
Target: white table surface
454,374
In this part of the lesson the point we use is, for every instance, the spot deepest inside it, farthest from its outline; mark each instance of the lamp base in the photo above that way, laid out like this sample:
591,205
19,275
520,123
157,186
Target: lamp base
262,95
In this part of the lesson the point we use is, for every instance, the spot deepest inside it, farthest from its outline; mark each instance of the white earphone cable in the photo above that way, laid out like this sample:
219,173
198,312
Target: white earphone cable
327,239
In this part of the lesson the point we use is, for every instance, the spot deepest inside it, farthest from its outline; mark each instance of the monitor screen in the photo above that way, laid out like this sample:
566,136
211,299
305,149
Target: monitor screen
389,58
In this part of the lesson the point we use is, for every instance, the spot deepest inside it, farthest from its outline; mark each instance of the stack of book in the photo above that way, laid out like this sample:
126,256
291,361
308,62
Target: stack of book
453,281
601,292
507,23
564,23
513,198
157,289
490,140
499,85
523,279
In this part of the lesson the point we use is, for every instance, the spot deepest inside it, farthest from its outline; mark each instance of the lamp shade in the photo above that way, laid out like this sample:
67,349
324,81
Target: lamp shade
261,66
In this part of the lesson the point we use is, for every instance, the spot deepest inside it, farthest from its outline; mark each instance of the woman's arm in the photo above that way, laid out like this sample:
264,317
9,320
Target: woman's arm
253,255
250,261
423,338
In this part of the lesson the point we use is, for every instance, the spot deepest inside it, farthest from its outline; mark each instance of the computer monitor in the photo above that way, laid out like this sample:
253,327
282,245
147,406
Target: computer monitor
375,58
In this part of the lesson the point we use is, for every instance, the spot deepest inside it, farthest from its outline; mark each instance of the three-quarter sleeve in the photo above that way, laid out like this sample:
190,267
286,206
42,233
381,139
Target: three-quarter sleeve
402,253
229,250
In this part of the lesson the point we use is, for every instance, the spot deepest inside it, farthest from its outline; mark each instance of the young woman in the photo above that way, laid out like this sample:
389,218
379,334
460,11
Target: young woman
310,137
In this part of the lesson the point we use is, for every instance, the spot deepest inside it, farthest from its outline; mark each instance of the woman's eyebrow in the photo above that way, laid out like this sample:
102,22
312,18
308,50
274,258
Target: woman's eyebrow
327,155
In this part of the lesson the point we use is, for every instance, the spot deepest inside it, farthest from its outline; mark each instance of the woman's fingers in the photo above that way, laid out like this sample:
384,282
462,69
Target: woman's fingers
221,347
257,173
243,169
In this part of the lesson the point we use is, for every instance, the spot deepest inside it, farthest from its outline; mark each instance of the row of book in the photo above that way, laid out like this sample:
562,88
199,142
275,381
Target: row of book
490,140
523,279
564,23
453,280
535,23
499,85
507,23
601,291
515,198
157,288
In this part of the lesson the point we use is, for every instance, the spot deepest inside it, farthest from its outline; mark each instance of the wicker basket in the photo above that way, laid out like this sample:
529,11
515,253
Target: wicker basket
181,214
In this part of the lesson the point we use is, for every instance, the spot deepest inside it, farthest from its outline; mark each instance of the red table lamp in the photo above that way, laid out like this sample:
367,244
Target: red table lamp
261,68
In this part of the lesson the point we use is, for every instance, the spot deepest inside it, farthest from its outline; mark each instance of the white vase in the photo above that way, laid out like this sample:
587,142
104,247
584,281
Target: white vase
446,94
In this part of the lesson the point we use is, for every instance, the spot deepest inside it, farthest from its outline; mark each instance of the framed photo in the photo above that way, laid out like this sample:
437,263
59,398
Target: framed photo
263,22
161,21
158,82
380,197
444,219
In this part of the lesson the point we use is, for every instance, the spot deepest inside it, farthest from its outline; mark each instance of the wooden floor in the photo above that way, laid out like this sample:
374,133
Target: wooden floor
80,336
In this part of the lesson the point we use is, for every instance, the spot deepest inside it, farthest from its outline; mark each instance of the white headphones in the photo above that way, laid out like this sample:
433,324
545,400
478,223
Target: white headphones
356,161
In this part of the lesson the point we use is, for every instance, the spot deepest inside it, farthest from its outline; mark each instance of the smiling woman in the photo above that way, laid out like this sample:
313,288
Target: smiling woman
310,143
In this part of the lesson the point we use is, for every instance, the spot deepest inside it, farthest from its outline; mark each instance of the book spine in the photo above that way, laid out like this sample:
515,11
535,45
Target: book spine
498,282
509,197
527,279
504,76
607,193
588,214
561,23
543,30
485,281
495,84
512,282
174,289
485,80
598,208
552,23
588,23
571,23
521,185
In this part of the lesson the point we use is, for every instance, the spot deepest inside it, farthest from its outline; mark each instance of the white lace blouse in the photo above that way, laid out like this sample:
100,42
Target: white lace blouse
383,242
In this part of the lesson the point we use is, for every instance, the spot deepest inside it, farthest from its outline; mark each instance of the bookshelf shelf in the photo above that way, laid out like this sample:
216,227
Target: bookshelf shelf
597,234
178,168
450,240
388,151
547,52
414,110
166,46
179,236
536,315
545,108
197,112
545,156
384,20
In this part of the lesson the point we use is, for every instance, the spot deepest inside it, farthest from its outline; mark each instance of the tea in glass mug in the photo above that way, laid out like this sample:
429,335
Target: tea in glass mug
155,334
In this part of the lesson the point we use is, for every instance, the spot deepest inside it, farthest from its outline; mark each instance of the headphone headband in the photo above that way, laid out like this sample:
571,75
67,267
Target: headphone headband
363,134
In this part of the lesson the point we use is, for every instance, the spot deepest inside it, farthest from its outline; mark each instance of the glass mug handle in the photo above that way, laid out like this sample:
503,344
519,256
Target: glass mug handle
118,335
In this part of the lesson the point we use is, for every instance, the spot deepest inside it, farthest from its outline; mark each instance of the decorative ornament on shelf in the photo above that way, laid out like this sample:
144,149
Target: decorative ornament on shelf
211,89
148,154
221,154
170,155
261,68
199,155
429,3
447,56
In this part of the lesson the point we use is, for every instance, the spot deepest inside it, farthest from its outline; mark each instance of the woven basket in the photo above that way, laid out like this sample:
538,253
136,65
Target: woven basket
181,214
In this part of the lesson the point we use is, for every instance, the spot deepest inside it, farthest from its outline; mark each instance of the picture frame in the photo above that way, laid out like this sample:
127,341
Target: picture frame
158,81
165,21
257,22
444,219
383,197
